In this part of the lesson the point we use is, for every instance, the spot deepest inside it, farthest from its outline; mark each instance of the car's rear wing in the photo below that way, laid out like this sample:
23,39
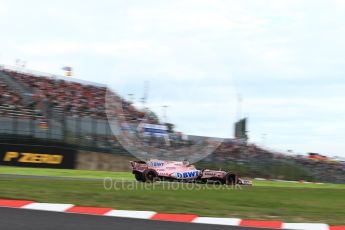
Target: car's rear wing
138,165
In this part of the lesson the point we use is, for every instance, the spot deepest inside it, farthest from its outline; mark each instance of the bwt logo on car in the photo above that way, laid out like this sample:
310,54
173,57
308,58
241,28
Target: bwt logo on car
156,164
184,175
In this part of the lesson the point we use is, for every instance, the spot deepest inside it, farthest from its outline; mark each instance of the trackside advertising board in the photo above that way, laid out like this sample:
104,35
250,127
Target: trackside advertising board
154,130
37,156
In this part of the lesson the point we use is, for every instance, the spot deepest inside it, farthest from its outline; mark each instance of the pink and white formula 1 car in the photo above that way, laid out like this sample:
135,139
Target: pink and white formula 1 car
154,170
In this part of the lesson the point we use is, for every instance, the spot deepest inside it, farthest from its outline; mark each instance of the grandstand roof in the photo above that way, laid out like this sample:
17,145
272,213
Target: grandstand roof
48,75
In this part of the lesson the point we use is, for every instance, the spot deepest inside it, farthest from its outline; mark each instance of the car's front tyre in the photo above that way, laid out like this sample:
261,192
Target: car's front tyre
150,176
230,179
138,176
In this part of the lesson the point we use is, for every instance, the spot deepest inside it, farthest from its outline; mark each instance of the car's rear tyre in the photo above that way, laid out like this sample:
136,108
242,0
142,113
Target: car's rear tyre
139,177
230,179
150,176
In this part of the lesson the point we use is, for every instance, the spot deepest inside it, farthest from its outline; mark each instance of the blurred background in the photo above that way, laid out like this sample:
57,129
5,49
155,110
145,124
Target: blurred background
40,111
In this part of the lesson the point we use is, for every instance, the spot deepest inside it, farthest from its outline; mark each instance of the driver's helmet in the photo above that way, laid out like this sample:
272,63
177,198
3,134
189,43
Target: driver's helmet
185,162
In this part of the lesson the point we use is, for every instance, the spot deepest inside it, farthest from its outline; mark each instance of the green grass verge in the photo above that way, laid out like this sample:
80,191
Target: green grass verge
285,201
64,173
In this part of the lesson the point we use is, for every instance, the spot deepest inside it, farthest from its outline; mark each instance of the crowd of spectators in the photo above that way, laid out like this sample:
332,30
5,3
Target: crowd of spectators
72,98
9,96
12,104
260,162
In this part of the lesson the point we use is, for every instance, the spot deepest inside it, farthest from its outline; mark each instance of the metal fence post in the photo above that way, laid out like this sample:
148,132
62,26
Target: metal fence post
15,125
94,130
32,127
77,130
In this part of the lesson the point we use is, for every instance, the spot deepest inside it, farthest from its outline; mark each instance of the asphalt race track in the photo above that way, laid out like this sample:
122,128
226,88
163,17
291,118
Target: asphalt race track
18,219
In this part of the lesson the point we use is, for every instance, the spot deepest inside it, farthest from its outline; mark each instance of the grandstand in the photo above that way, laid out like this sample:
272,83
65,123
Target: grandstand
37,105
41,106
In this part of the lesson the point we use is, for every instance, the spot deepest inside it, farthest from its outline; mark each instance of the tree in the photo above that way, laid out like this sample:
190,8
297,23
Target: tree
170,127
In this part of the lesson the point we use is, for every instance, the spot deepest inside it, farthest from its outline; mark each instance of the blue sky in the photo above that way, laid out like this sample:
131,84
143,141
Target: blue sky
285,57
